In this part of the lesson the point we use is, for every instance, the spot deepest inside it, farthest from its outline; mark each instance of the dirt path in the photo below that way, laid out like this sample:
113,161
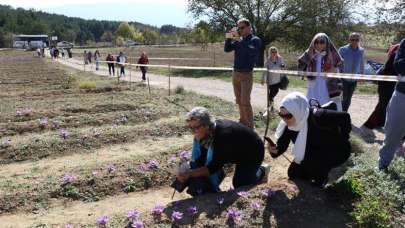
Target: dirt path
360,109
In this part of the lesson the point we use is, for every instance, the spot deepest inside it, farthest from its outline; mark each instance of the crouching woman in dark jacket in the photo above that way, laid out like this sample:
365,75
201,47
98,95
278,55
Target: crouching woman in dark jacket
320,137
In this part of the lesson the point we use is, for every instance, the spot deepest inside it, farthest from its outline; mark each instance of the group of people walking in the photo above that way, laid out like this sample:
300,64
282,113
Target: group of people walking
318,123
119,61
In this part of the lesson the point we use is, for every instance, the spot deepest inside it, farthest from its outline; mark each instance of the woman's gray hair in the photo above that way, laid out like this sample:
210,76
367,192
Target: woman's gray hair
202,115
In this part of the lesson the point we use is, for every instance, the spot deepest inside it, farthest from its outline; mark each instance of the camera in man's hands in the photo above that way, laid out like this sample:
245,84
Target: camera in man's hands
178,185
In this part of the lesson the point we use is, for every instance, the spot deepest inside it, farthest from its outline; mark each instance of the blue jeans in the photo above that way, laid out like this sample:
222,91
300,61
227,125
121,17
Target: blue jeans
247,175
348,90
394,129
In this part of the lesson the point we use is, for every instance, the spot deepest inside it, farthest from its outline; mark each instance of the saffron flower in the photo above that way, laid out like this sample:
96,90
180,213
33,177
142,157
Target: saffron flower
220,200
185,156
55,124
102,221
137,224
256,206
176,216
67,178
234,214
268,193
94,173
64,134
19,113
111,169
43,122
153,164
68,226
192,210
243,194
132,215
157,210
143,168
6,143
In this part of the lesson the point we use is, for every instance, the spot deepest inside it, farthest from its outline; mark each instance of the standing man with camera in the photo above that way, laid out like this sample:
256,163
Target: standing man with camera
246,47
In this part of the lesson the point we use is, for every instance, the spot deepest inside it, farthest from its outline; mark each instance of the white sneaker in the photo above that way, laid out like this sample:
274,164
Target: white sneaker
367,132
266,173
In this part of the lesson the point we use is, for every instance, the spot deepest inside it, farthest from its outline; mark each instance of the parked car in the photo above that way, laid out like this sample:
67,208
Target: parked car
130,43
64,44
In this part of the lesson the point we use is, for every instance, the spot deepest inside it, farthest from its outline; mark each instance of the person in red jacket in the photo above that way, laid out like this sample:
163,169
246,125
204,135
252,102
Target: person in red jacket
143,60
110,62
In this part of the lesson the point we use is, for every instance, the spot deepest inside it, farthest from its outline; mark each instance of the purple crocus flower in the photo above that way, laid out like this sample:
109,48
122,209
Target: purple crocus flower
19,113
256,206
234,214
157,210
172,160
68,226
243,194
132,215
64,134
268,193
102,221
220,200
43,122
192,210
137,224
176,216
55,124
124,119
94,173
185,155
6,143
67,178
111,169
153,164
143,168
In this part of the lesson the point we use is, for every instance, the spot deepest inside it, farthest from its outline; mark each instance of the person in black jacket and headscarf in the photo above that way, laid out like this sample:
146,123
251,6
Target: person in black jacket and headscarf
320,137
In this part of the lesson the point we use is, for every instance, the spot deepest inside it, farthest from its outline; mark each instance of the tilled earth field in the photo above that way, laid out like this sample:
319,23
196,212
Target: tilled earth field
70,154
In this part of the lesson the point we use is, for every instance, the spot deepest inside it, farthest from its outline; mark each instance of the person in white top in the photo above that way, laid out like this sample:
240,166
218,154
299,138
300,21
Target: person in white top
322,57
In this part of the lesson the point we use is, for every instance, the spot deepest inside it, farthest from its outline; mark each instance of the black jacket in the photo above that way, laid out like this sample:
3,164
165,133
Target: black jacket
235,143
327,138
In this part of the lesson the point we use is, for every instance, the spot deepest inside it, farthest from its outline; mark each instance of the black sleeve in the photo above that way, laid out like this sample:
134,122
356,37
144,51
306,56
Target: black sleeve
330,118
283,142
388,68
229,45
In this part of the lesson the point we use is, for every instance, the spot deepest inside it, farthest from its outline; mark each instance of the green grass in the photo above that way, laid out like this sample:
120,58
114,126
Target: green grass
377,197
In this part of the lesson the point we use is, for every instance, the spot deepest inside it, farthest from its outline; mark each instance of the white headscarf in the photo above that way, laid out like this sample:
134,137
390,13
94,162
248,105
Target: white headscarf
297,104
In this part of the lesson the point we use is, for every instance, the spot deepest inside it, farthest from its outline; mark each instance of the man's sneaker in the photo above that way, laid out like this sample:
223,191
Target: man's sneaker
367,132
266,169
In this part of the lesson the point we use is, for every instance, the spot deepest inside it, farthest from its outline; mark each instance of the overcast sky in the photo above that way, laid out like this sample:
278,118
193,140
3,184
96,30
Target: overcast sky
152,12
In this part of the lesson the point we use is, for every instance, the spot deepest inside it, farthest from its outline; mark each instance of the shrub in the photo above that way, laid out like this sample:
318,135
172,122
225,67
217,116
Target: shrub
371,212
87,85
179,90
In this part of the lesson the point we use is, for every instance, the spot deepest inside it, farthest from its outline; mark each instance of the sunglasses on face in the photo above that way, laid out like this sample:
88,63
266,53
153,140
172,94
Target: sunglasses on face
273,52
320,42
355,40
285,116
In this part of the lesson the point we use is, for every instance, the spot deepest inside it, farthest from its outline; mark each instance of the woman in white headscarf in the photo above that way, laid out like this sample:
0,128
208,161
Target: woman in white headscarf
322,57
320,137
